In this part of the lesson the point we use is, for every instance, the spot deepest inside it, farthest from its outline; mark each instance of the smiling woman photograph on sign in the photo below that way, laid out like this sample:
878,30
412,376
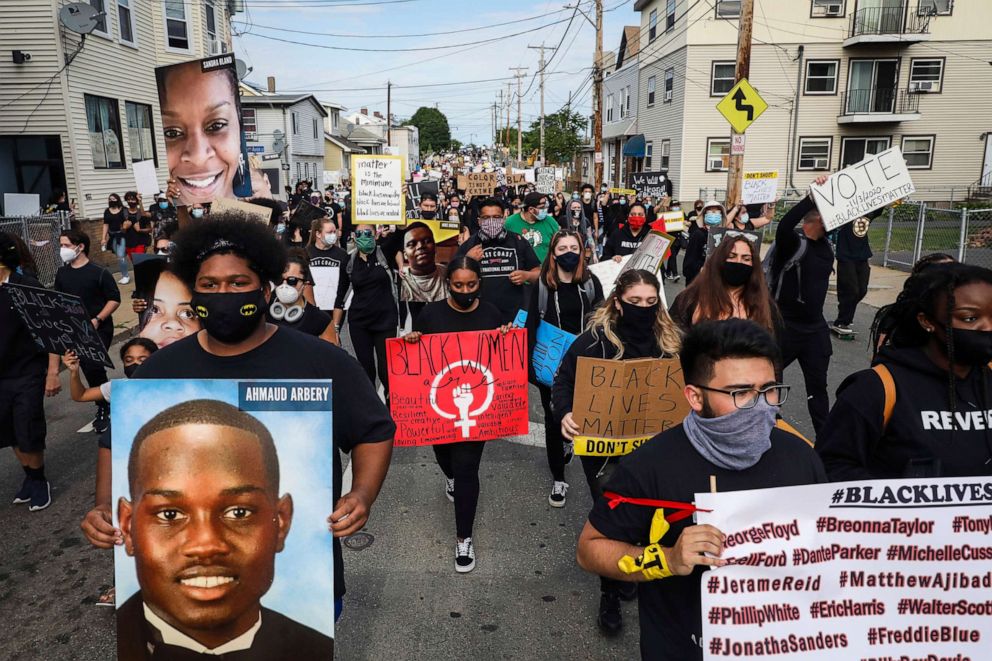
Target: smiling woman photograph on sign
201,121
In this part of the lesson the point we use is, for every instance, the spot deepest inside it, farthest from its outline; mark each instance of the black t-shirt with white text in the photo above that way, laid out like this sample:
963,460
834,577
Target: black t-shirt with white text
500,258
668,467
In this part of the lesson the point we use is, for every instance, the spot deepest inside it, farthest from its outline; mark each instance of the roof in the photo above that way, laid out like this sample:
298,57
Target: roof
282,100
360,135
630,45
344,143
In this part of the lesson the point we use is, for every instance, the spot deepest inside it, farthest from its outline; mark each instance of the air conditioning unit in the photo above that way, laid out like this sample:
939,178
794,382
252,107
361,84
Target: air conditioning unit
217,46
668,95
921,86
820,164
834,10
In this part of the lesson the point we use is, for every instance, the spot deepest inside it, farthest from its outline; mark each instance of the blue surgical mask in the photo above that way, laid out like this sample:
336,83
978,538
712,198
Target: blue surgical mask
196,213
623,201
542,214
713,218
743,218
163,205
575,196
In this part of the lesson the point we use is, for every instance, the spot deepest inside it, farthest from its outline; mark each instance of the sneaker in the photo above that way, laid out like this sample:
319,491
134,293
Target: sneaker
569,449
627,591
449,488
41,495
557,497
102,420
464,556
676,278
841,329
125,280
610,620
24,494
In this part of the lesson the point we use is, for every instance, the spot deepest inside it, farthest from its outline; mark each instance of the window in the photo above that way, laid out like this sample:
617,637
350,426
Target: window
623,103
652,25
821,77
104,124
125,22
854,150
669,84
140,132
827,9
728,8
926,75
215,45
814,153
670,15
315,133
717,154
296,122
609,107
651,85
101,28
936,7
176,25
628,99
918,151
722,78
648,154
666,149
872,86
249,124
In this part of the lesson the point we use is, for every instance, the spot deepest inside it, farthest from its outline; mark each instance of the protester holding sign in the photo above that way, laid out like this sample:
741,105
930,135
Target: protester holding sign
630,324
461,311
640,530
799,267
535,223
731,285
96,288
566,294
627,236
27,376
923,409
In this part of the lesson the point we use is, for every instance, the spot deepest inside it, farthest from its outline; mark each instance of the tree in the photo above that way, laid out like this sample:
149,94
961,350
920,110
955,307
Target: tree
455,145
435,135
562,136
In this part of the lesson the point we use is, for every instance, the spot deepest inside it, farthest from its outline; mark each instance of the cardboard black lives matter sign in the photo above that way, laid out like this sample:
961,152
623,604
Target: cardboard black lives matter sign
58,322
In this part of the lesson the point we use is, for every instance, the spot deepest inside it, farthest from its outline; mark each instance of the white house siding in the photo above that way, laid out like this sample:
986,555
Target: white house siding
664,121
614,132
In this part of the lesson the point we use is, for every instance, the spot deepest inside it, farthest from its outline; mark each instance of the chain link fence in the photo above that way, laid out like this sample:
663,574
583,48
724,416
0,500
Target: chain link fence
41,235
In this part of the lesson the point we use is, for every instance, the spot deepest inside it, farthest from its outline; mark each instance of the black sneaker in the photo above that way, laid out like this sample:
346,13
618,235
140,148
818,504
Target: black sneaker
628,591
842,329
41,495
610,620
24,494
464,556
558,491
102,420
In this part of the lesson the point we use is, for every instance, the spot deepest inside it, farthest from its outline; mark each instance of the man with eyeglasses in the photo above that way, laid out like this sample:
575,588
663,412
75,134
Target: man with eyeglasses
534,223
729,438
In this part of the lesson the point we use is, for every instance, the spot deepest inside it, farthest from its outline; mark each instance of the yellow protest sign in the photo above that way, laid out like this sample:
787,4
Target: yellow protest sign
623,191
742,106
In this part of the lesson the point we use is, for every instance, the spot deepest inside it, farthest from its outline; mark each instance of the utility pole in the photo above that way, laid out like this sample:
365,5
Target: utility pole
735,171
389,113
541,71
494,122
597,72
509,102
519,73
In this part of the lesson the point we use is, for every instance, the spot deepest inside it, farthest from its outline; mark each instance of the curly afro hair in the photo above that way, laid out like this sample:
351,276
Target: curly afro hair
231,233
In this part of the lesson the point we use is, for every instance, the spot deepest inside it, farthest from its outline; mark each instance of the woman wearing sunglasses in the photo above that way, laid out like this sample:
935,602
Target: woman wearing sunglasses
289,309
373,315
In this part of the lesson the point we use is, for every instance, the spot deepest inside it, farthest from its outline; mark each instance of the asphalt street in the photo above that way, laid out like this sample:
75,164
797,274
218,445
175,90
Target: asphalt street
526,599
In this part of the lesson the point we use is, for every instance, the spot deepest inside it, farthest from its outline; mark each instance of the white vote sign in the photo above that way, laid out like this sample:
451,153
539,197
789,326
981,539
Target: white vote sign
873,183
759,187
884,569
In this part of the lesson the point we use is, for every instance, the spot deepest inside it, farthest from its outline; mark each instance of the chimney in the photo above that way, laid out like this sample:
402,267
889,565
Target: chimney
377,114
365,111
271,80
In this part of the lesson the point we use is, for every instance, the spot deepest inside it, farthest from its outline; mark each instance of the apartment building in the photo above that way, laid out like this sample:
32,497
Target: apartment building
289,129
620,95
842,78
79,112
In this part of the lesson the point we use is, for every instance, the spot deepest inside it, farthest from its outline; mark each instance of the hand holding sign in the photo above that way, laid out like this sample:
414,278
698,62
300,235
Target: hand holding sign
861,188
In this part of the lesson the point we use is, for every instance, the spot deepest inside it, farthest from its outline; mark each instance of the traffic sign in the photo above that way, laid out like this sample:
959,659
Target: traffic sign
742,106
737,144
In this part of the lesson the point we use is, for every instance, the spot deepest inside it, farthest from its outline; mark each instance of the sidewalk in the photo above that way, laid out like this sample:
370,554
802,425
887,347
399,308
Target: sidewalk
125,320
884,286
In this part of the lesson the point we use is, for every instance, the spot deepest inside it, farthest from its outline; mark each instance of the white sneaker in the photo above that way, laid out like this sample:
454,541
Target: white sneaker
464,556
124,280
557,497
449,489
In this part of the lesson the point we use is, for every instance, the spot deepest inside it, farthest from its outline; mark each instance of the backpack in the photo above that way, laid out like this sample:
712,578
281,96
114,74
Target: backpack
588,290
776,279
889,385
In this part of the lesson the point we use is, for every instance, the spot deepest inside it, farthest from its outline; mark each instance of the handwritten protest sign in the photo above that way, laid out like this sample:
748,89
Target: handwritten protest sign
608,271
145,177
650,256
550,346
255,212
669,222
653,184
759,187
379,190
717,234
58,322
620,404
893,569
545,180
452,387
481,183
878,180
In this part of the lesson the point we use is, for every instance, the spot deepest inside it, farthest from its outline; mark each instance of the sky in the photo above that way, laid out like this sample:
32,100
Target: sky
334,69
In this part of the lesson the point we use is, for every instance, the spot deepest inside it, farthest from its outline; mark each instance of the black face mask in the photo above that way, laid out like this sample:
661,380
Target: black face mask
568,261
129,370
735,274
464,300
637,321
971,347
230,318
428,215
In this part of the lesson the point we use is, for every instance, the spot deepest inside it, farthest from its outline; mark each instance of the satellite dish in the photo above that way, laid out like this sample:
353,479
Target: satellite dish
80,17
278,143
243,69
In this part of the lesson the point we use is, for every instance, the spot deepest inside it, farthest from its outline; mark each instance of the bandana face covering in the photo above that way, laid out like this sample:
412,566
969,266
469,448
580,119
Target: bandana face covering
491,228
735,441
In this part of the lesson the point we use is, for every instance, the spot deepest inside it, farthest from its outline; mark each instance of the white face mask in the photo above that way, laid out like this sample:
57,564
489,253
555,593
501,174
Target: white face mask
67,254
331,238
287,294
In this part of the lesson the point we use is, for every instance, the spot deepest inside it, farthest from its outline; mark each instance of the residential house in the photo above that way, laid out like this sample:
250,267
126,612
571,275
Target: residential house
290,126
842,79
405,140
77,113
620,93
370,131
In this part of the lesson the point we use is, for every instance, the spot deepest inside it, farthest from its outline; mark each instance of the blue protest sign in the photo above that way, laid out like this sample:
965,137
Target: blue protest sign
549,348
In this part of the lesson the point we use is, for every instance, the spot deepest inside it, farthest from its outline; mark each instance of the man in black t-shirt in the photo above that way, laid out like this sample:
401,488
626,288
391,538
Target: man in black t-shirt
228,262
100,296
853,271
508,261
729,436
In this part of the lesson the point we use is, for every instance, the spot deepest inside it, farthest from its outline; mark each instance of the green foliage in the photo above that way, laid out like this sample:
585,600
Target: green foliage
435,135
562,136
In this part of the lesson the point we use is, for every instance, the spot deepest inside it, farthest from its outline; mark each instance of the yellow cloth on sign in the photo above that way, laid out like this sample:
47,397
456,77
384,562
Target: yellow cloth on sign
652,561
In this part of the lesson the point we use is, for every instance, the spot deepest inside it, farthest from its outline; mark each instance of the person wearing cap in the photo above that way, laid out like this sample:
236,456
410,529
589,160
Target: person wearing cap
712,215
534,223
162,211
